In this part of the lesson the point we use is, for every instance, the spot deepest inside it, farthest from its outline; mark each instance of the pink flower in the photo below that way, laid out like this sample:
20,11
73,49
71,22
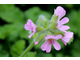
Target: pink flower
60,12
51,39
31,27
62,27
67,36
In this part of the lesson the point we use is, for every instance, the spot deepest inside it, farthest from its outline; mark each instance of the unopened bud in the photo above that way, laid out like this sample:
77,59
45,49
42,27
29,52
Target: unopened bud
54,19
42,21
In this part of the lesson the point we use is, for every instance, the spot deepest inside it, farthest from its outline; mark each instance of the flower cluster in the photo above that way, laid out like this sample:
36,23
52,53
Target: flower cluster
53,29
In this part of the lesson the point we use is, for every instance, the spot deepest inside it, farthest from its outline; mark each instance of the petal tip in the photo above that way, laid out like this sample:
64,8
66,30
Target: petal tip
36,42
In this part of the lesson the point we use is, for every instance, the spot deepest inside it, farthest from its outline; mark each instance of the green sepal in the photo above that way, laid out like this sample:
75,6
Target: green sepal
54,18
39,28
41,37
53,26
57,32
42,21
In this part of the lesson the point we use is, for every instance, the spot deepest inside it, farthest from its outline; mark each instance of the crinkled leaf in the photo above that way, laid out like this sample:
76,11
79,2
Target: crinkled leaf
10,13
17,48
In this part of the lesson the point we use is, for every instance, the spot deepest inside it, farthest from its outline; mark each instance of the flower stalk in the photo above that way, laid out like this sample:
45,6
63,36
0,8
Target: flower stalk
27,49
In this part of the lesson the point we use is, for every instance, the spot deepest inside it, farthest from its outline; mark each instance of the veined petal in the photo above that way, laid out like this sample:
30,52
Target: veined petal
56,45
66,39
27,27
68,34
64,27
58,37
64,42
48,49
30,25
60,11
64,20
44,45
59,24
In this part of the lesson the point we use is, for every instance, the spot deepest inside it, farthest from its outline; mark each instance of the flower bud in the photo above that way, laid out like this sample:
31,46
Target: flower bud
54,19
42,21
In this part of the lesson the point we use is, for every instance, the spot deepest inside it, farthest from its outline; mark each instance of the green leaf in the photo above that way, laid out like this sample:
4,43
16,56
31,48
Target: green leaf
59,55
75,50
10,13
4,53
2,33
30,54
11,31
17,48
24,34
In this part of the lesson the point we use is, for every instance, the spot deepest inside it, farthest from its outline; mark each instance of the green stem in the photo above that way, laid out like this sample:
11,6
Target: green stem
27,49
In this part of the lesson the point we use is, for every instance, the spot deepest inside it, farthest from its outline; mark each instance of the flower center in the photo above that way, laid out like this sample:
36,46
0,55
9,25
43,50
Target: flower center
50,40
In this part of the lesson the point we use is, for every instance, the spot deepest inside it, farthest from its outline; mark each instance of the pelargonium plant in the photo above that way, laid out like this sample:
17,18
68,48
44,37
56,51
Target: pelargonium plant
49,31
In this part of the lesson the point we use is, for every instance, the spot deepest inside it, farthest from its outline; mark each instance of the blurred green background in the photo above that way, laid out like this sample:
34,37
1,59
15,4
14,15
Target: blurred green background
14,38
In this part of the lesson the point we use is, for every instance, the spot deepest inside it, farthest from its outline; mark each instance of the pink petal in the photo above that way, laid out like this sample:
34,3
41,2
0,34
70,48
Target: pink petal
36,42
59,25
44,45
58,37
49,37
67,36
64,27
64,42
32,34
30,25
48,49
56,45
27,27
59,11
66,39
64,20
